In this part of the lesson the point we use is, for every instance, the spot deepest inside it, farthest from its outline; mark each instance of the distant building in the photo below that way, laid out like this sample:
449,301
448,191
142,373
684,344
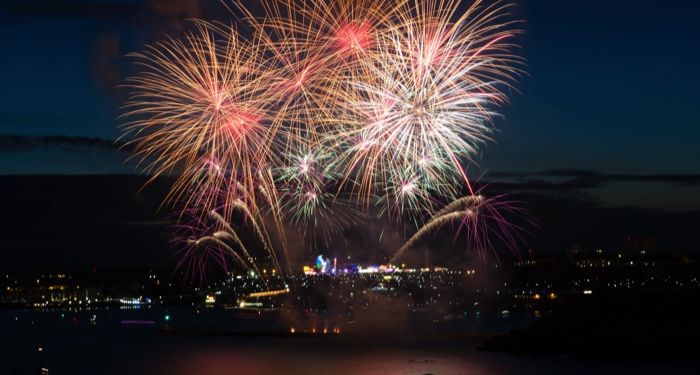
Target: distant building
322,265
634,247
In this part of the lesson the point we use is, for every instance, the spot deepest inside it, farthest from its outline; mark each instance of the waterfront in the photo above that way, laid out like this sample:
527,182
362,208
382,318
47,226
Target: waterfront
99,341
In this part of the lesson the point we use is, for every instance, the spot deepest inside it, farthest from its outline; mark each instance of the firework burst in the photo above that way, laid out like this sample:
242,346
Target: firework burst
200,110
328,103
424,101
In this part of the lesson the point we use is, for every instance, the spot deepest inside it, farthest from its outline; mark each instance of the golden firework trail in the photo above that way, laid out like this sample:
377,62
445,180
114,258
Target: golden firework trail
230,233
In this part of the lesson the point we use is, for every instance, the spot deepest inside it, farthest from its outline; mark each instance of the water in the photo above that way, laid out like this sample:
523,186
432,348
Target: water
96,342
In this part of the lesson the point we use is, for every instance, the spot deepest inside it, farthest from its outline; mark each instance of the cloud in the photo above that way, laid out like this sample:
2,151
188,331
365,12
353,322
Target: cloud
540,184
676,179
580,173
19,143
564,179
25,155
675,192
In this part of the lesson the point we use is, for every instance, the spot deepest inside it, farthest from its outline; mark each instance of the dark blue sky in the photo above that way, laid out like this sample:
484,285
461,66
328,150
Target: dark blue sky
611,88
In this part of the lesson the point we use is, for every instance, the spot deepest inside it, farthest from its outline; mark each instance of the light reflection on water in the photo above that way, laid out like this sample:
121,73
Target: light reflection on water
368,358
333,360
72,343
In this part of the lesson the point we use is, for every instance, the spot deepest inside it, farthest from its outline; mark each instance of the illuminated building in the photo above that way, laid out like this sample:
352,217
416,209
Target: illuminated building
323,265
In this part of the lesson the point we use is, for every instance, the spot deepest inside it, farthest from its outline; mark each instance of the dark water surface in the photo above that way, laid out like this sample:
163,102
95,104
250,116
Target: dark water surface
98,342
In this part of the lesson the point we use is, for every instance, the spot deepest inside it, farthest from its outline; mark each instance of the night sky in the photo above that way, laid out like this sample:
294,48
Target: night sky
607,115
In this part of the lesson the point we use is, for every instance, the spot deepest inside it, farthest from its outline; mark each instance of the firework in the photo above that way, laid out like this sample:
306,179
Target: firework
424,101
310,198
406,195
308,167
327,103
483,220
200,110
202,240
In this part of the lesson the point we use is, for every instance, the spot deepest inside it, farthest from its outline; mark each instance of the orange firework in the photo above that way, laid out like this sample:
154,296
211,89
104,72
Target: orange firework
201,110
313,45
